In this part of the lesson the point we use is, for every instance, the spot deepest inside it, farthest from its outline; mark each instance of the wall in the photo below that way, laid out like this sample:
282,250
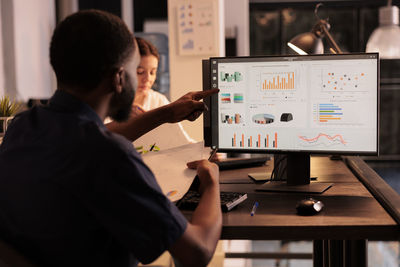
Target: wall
27,28
66,7
237,17
8,49
1,58
185,71
127,13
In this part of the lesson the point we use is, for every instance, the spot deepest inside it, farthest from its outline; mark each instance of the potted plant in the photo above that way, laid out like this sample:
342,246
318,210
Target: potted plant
7,109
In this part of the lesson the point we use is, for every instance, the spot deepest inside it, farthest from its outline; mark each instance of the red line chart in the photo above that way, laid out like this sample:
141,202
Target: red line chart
336,137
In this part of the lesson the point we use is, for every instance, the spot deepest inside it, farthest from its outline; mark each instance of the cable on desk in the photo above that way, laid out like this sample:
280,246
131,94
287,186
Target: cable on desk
276,166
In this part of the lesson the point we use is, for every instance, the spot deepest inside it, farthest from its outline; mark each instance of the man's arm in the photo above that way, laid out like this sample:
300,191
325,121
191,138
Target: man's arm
197,244
187,107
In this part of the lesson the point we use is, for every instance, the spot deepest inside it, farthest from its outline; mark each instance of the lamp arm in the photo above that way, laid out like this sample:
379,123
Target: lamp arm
330,40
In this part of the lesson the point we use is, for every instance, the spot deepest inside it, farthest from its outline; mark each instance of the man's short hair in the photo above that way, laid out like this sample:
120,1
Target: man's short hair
88,45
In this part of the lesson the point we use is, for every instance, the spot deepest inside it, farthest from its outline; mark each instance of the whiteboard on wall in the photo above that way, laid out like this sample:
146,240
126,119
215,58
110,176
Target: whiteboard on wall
197,27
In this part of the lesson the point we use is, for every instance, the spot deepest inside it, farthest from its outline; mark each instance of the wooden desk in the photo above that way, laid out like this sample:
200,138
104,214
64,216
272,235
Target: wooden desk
351,212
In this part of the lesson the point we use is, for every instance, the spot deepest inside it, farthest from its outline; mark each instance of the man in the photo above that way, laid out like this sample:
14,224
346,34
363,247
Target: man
72,193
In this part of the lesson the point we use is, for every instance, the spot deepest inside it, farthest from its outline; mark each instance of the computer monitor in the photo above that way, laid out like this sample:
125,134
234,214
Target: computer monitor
296,105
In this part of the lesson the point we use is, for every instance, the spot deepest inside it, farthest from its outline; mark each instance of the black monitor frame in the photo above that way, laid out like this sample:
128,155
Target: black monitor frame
210,120
297,162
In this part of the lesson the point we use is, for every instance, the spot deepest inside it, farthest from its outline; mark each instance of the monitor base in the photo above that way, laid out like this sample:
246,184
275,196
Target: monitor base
282,186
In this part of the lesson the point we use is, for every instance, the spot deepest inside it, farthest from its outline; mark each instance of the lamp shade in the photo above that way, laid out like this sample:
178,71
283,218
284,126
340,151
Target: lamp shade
386,38
307,43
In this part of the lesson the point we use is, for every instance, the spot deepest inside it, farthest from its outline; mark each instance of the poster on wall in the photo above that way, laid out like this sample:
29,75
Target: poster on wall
197,27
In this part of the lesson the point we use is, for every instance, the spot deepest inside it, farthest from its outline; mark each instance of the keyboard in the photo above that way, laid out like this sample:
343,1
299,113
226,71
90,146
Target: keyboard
229,200
237,163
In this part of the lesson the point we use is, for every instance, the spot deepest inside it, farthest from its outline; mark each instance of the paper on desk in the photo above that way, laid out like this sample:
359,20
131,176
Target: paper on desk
166,136
169,168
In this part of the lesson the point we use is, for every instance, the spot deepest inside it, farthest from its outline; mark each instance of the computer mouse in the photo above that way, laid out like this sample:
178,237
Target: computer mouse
309,206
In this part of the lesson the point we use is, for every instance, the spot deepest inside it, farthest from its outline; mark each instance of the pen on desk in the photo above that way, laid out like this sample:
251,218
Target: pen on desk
214,151
152,147
253,210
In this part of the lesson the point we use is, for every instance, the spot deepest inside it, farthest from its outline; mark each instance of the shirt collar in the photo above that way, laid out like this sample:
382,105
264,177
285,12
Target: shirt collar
64,101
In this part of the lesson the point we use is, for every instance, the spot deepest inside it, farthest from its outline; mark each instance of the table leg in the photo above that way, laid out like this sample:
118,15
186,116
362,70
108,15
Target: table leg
318,253
336,253
340,253
356,252
321,253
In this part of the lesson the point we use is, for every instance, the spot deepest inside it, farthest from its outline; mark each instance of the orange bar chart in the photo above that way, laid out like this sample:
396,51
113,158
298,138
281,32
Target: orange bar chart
279,82
260,140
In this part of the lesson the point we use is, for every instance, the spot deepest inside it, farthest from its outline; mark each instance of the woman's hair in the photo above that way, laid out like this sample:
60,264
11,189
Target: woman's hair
146,48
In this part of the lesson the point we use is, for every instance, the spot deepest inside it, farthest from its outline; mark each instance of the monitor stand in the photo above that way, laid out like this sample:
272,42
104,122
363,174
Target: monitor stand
297,170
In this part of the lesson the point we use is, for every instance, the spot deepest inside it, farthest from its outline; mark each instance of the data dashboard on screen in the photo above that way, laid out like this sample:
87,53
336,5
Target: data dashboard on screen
318,103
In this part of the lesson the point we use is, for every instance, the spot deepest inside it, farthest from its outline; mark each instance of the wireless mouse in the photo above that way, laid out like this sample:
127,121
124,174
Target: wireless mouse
309,206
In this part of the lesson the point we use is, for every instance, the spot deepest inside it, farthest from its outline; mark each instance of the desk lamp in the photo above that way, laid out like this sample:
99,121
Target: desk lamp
304,44
386,38
311,42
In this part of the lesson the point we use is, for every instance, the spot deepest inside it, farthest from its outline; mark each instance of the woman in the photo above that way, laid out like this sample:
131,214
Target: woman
146,98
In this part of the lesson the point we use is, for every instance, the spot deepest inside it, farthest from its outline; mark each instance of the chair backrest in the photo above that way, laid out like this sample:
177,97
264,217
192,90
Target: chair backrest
160,41
37,102
9,257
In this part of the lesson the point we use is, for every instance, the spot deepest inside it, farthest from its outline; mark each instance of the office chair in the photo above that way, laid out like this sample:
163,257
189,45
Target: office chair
9,257
160,41
36,102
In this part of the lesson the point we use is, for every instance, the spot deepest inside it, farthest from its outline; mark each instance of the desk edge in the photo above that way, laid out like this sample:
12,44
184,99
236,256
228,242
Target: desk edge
383,193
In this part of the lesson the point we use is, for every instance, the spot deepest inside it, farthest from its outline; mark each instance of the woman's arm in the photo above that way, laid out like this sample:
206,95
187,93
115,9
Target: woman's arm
187,107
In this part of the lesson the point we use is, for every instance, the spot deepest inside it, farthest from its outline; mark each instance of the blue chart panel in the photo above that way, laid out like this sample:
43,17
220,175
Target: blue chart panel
329,112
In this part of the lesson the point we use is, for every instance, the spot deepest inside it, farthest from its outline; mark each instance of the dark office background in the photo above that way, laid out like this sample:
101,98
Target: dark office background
110,6
274,23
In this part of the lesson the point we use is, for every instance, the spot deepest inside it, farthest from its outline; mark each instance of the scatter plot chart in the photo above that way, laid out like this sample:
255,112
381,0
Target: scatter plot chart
344,81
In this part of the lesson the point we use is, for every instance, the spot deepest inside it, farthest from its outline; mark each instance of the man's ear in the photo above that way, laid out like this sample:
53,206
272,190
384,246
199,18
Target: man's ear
118,80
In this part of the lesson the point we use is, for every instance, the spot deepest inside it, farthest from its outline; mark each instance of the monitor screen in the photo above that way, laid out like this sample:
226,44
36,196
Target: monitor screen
311,104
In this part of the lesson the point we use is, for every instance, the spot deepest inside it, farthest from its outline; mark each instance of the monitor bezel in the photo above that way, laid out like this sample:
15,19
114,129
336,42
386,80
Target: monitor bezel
214,105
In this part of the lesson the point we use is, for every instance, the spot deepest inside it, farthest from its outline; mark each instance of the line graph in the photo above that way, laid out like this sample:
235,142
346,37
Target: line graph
322,139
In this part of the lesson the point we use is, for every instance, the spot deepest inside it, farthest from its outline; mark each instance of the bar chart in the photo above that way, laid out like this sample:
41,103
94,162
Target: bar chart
278,81
255,141
328,112
225,97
